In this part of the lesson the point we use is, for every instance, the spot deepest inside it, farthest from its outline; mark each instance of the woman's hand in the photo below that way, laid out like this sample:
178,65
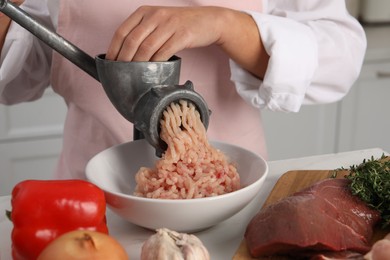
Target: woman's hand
154,33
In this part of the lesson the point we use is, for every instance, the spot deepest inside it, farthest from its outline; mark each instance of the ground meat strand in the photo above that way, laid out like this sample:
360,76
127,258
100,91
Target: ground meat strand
190,167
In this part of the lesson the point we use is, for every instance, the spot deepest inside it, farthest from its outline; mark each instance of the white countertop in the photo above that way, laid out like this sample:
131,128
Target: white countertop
222,240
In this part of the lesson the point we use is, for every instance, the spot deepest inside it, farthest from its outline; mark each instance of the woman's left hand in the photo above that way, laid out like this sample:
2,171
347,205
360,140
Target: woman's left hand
156,33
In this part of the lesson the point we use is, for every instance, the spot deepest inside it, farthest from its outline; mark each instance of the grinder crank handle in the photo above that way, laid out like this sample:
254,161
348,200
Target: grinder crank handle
54,40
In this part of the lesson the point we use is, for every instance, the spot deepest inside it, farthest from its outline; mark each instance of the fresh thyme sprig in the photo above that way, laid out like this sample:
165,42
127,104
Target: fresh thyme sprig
370,181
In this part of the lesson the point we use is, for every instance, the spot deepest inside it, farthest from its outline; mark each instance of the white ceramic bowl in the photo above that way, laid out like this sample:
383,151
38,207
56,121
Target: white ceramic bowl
113,170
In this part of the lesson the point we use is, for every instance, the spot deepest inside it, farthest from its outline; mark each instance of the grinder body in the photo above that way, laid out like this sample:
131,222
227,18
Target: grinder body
141,91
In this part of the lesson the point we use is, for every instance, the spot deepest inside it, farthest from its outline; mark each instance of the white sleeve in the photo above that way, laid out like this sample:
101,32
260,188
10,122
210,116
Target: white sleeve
25,60
316,52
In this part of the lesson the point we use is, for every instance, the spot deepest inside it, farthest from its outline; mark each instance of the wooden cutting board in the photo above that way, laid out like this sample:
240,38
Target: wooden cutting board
289,183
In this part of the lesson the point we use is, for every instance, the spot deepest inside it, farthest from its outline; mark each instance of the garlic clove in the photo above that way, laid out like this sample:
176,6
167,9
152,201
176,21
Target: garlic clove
168,244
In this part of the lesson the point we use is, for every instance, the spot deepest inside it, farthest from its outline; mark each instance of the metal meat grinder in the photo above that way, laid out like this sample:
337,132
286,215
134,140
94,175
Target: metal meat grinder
140,91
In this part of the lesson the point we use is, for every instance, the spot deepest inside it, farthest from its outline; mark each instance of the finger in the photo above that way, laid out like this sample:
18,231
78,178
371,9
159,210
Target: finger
172,46
133,41
121,33
153,43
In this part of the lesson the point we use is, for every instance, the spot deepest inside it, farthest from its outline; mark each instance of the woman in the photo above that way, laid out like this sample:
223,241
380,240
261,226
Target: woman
242,56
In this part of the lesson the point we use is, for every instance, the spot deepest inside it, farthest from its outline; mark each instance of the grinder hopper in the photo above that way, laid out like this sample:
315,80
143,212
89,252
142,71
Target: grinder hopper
140,91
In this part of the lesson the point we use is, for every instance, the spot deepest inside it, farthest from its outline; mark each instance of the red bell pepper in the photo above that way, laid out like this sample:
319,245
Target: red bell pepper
42,210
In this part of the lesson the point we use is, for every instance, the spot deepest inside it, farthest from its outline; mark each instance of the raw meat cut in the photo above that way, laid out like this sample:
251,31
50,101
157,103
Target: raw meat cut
322,217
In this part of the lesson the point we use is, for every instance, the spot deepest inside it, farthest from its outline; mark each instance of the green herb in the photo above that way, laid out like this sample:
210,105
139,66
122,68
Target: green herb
370,181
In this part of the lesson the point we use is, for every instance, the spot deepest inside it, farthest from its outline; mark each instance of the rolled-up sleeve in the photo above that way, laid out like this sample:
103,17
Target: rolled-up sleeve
25,60
316,52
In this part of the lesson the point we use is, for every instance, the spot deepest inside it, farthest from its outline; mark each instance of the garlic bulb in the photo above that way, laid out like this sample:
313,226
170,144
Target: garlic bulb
171,245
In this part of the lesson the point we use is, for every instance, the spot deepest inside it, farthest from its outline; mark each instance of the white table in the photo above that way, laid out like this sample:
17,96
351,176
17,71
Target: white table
222,240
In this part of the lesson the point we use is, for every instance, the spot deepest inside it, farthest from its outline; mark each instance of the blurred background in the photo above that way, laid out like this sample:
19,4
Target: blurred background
31,133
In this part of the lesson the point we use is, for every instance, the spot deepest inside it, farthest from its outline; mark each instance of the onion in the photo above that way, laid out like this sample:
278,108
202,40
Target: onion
83,245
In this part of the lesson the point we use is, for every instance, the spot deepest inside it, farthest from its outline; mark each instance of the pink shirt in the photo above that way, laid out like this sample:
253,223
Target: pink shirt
93,124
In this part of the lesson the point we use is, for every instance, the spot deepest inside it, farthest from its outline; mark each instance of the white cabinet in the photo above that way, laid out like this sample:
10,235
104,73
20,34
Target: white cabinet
364,117
42,118
359,121
30,140
27,159
309,132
